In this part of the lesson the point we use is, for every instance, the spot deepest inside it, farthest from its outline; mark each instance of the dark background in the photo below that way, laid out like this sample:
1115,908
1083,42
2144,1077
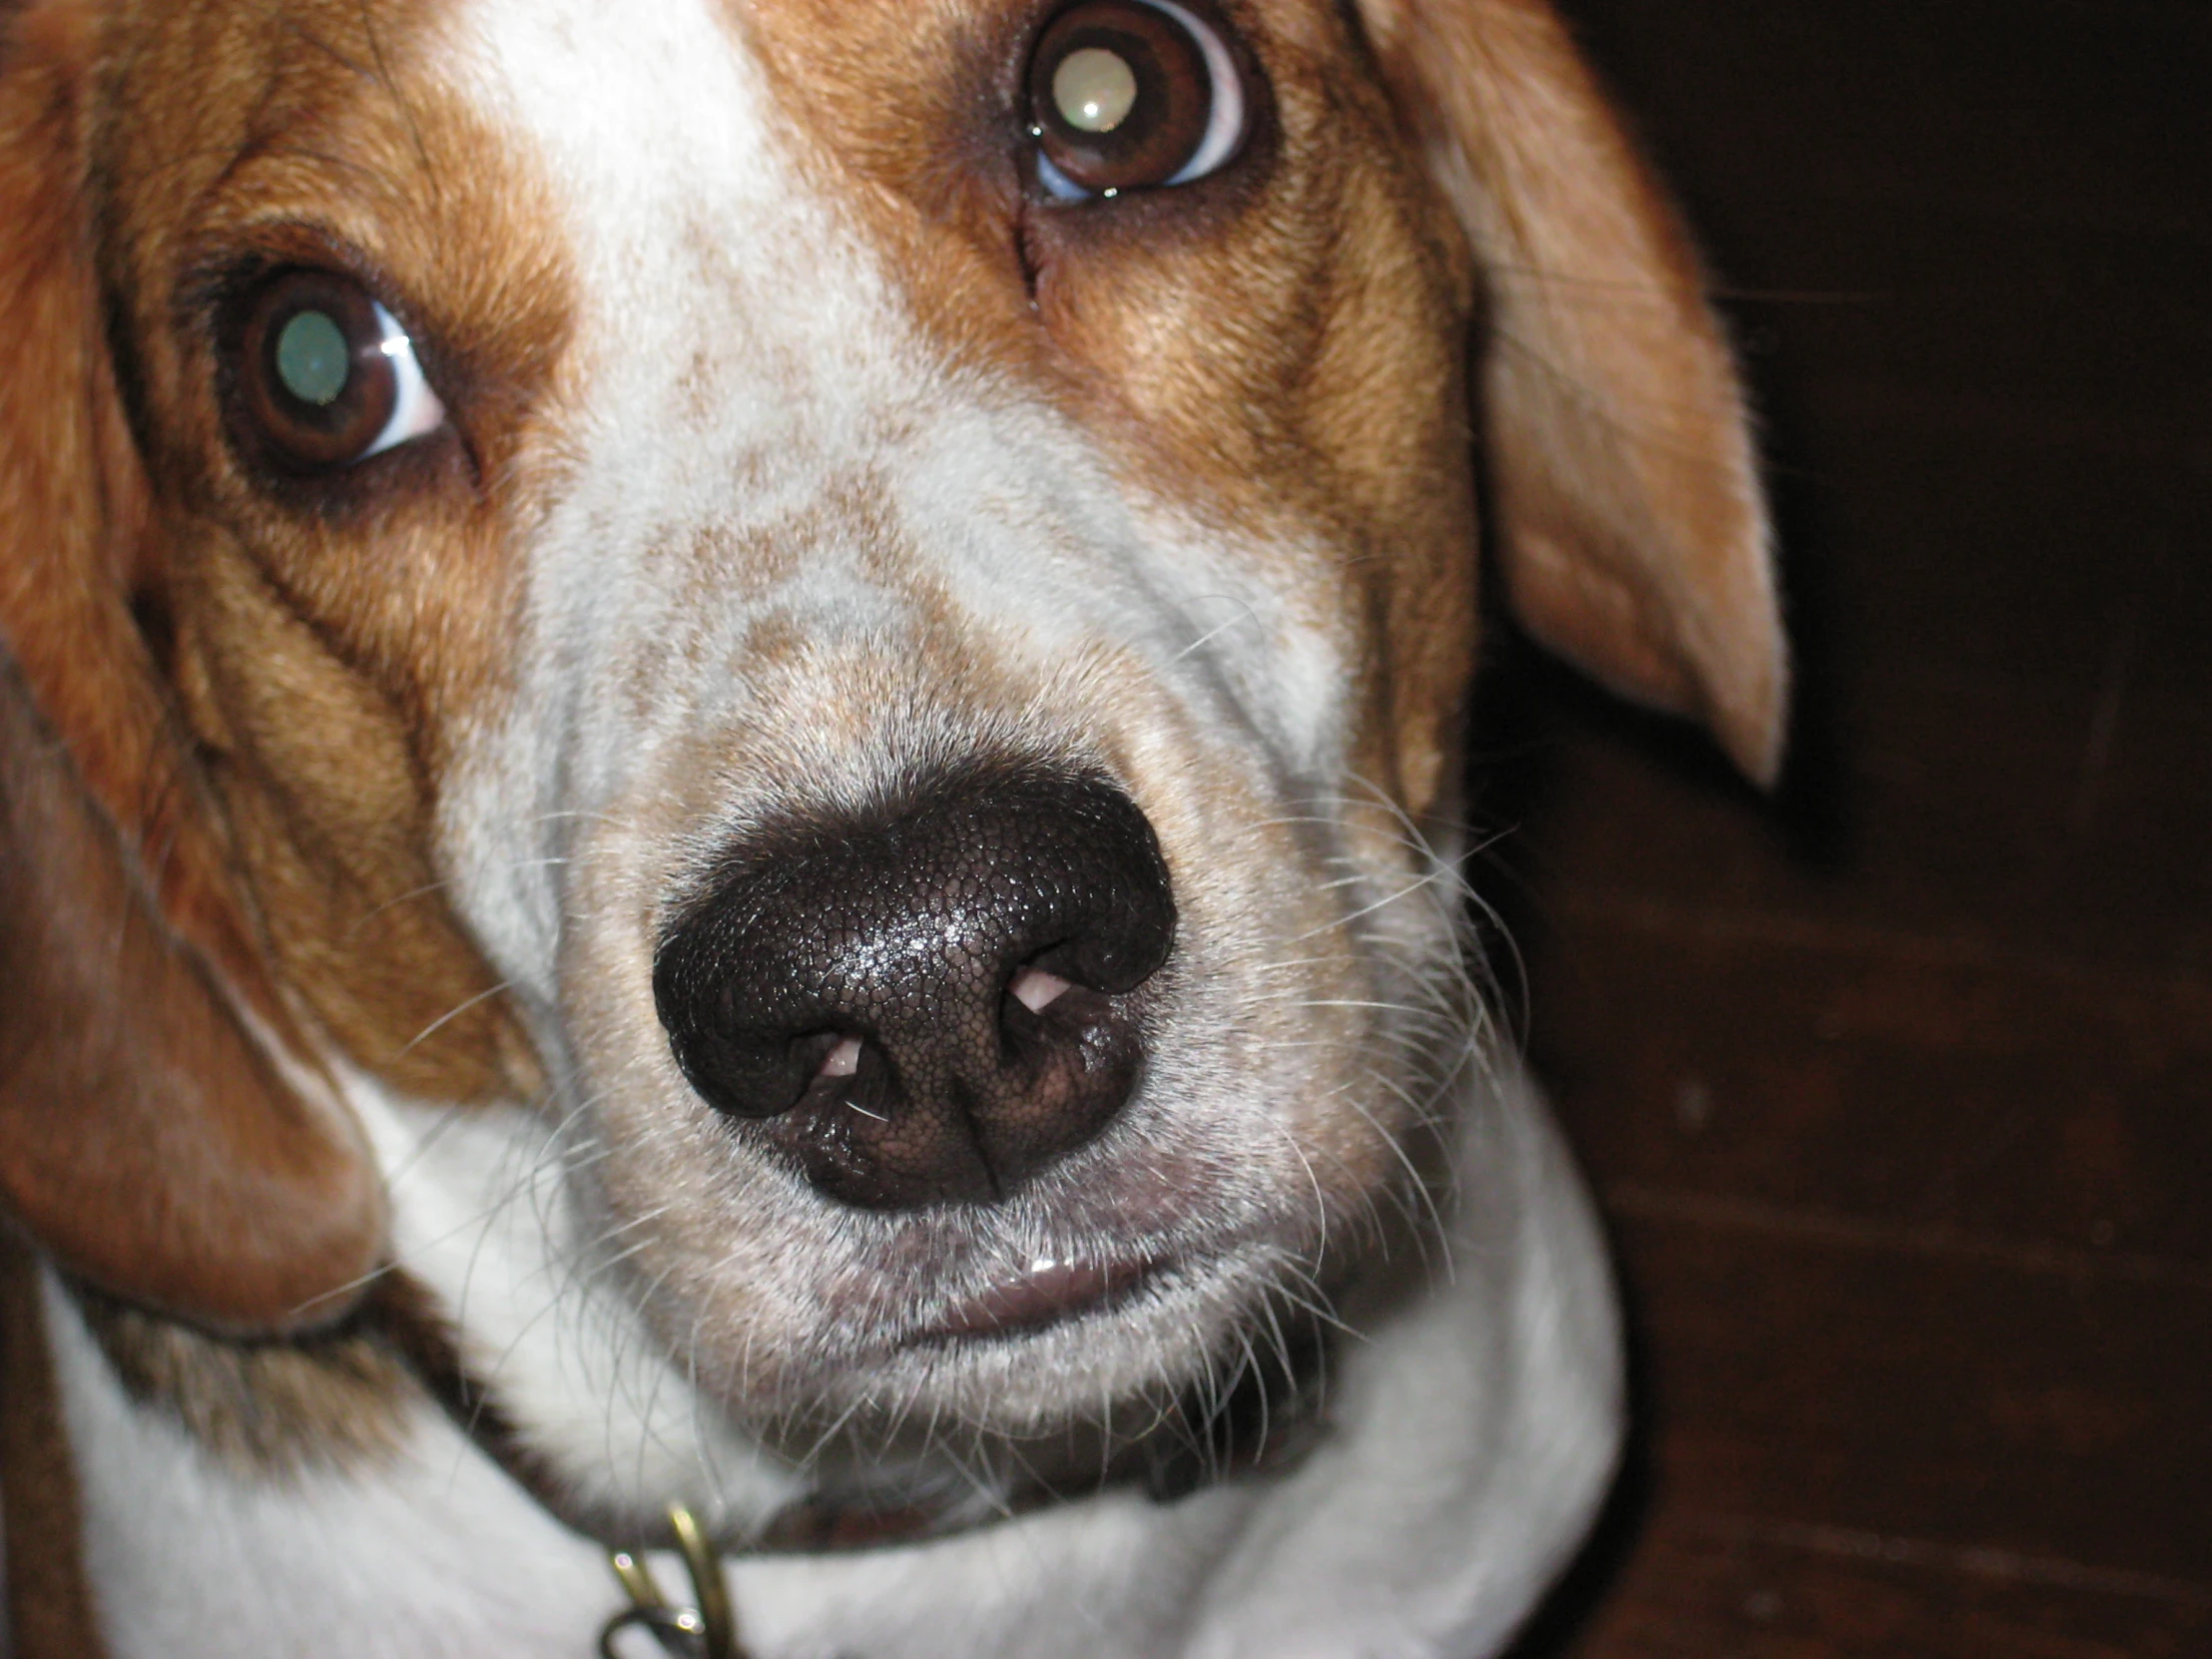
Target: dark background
1897,1091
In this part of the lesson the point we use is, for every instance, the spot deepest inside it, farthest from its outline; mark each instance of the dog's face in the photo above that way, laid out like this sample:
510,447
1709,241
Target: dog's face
865,605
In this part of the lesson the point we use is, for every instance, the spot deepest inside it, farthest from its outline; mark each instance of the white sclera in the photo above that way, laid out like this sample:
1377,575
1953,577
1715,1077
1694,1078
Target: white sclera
1225,126
415,408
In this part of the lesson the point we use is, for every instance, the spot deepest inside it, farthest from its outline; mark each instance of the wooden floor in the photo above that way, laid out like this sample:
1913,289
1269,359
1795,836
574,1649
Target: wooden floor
1898,1093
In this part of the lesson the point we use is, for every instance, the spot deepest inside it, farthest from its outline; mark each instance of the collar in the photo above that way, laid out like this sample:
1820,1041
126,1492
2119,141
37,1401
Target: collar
1267,1419
705,1630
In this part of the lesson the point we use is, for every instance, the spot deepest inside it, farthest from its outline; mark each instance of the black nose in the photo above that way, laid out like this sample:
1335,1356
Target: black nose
931,1000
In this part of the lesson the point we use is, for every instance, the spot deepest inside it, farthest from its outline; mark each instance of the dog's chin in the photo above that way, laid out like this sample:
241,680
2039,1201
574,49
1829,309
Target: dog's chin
1059,1378
1119,1281
1058,1346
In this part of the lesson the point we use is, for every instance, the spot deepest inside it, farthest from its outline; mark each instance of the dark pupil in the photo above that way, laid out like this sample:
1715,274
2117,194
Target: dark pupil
313,359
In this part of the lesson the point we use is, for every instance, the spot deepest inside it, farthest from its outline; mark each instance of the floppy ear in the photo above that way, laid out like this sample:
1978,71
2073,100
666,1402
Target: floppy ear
158,1133
1634,537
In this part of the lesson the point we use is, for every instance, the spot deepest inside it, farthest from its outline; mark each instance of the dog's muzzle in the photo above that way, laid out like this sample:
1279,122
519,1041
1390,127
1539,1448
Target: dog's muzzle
933,999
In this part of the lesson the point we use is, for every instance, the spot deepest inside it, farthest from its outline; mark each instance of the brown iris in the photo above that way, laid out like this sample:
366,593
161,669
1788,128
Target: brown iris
316,378
1120,95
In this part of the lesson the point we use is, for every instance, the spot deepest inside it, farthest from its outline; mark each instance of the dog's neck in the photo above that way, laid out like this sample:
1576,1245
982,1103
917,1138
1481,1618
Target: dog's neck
269,1409
1492,1372
273,1409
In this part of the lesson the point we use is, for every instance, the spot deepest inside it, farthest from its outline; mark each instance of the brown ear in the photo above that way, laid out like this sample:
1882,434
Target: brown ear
1634,533
158,1133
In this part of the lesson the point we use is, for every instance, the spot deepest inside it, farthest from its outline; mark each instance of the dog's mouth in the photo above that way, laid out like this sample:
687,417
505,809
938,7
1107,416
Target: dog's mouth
1050,1291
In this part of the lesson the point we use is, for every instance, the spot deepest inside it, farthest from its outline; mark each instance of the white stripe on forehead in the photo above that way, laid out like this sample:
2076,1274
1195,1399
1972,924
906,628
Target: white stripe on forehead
742,351
743,345
739,350
695,247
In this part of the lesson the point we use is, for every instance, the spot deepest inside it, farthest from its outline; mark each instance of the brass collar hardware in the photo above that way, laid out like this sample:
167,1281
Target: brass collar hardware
705,1630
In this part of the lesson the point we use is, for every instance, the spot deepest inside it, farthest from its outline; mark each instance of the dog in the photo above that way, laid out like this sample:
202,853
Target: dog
730,744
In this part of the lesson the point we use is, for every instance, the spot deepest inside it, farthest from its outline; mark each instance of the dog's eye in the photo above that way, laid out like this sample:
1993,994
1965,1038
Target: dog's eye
328,375
1129,92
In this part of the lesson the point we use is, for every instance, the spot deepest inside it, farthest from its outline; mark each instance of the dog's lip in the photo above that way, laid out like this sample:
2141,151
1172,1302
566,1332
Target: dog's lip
1048,1290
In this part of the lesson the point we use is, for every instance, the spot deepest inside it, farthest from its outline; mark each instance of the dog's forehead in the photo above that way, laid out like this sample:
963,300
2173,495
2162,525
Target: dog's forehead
747,185
654,124
782,352
703,259
721,290
753,402
833,174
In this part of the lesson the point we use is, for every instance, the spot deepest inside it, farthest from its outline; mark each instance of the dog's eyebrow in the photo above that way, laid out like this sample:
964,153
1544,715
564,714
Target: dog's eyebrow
298,104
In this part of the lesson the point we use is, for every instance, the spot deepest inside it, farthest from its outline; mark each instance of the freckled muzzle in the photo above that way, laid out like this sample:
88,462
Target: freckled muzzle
931,1000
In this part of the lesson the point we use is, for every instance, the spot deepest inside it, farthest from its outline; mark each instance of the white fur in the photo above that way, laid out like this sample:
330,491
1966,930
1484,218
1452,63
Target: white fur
666,545
1472,1433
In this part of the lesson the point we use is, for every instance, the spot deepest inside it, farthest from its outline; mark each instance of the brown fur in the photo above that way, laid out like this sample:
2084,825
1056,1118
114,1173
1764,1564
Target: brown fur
258,691
274,1407
160,1154
1633,531
1261,347
323,649
49,1602
252,690
149,1142
266,1409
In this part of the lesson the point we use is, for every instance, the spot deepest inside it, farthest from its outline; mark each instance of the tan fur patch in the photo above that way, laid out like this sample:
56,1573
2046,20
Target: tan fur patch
1277,349
49,1603
330,643
1634,533
147,1134
336,1400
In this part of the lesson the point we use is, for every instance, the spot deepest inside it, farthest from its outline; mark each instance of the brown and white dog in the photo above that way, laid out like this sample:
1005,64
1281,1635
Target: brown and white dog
728,750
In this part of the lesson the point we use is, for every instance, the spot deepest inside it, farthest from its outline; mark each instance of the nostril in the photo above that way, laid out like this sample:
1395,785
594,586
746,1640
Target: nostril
1037,990
841,1061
